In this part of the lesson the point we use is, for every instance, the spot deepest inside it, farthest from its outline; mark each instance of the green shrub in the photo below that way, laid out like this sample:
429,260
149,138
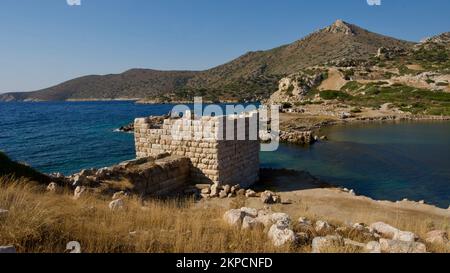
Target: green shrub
332,95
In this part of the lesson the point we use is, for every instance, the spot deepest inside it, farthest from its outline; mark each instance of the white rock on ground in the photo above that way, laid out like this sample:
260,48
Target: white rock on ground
79,190
227,189
250,193
396,246
373,247
393,233
116,204
52,187
304,220
214,190
206,190
437,237
323,244
234,217
7,249
323,227
249,223
280,234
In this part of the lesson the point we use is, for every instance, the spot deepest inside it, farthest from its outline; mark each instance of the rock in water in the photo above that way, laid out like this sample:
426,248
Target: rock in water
234,217
116,204
396,246
326,244
7,249
280,234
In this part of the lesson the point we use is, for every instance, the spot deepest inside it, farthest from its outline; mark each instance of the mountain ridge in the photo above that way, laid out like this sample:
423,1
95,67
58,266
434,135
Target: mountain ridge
252,76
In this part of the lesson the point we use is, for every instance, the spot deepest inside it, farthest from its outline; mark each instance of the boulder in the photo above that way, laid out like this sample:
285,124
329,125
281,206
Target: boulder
240,192
234,217
396,246
249,223
116,204
304,220
250,193
280,234
118,195
78,192
269,197
7,249
373,247
354,244
393,233
323,227
52,187
326,244
405,236
250,212
235,188
437,237
214,190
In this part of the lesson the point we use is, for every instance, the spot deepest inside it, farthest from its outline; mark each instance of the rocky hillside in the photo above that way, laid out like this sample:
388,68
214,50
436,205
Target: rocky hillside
254,75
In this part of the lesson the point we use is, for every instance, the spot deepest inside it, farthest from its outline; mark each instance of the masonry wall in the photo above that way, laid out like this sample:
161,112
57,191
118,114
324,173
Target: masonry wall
213,159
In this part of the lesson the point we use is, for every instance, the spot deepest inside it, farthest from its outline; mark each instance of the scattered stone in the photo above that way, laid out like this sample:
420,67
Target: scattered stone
118,195
280,217
235,188
7,249
223,194
116,204
405,236
373,247
280,234
437,237
384,229
269,197
250,193
240,192
352,192
214,190
231,195
227,189
78,180
52,187
79,190
234,217
422,202
396,246
323,227
326,244
250,212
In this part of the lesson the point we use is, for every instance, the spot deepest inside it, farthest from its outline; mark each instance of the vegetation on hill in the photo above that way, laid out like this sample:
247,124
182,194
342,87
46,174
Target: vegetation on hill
253,76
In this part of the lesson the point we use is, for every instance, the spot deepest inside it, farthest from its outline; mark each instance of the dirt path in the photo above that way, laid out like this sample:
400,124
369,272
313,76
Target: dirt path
335,80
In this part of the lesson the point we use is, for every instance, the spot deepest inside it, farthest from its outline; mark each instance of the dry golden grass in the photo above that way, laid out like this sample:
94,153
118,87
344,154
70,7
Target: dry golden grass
45,222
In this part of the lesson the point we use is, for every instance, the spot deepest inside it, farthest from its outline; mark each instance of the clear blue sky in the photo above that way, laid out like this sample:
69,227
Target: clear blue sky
45,42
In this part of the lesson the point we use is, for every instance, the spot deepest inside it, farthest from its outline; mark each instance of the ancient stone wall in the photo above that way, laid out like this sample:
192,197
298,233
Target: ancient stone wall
222,150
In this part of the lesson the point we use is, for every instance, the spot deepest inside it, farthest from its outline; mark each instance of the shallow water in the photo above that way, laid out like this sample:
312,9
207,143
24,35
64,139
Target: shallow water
383,161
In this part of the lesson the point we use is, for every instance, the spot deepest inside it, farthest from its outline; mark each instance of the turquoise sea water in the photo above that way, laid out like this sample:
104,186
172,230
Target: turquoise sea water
383,161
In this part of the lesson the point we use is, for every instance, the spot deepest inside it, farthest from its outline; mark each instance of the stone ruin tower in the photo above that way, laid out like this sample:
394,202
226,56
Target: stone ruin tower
223,150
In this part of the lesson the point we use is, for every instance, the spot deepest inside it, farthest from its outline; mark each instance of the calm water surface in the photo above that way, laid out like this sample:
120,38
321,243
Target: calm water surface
383,161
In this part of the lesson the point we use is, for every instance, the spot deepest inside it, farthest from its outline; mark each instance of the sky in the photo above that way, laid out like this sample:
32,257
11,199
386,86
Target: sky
46,42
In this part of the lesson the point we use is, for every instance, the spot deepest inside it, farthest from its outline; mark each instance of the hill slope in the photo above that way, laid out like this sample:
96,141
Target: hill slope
254,75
